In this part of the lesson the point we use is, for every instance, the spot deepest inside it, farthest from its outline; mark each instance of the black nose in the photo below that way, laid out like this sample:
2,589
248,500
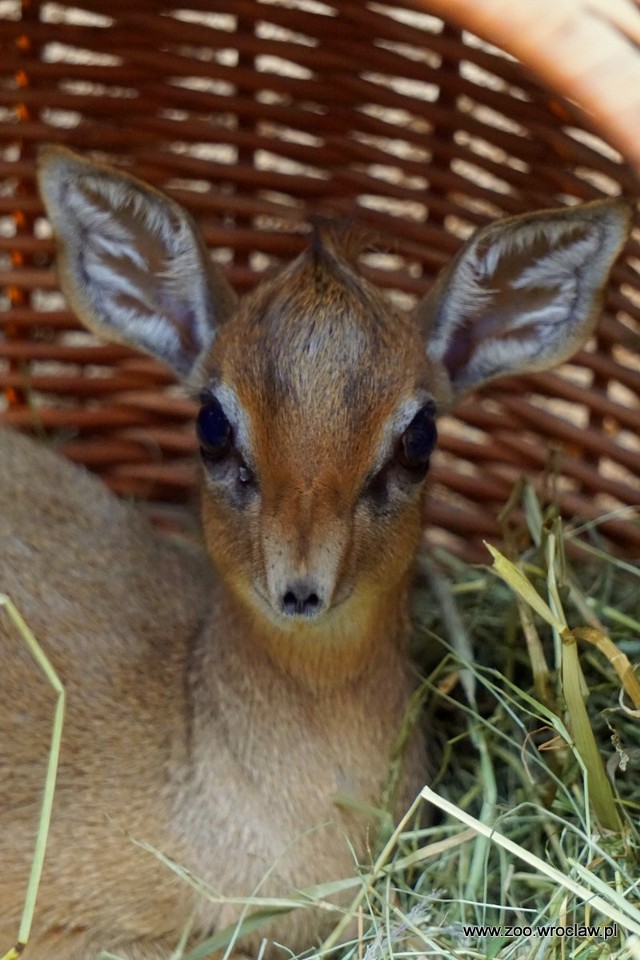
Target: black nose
300,600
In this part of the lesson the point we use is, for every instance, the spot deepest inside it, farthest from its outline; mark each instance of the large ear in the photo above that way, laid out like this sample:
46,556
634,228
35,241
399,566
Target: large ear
523,294
131,262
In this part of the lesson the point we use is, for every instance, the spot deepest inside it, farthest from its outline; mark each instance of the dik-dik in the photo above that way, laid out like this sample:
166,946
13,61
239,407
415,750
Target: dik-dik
236,713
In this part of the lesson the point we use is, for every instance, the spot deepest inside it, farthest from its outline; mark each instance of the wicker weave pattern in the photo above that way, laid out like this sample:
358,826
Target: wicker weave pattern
256,118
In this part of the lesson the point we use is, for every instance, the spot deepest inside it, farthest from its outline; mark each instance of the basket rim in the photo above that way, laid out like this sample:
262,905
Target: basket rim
586,50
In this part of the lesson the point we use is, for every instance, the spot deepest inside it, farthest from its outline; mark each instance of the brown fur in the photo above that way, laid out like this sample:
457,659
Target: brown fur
194,723
201,719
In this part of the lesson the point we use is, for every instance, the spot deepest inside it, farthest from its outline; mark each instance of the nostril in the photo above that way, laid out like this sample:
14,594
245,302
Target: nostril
289,602
300,600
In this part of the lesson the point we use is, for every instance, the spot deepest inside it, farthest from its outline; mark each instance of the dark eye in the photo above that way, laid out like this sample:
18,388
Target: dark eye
418,440
214,430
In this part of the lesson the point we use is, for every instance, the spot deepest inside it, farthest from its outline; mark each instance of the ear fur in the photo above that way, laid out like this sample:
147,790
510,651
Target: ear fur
524,293
131,262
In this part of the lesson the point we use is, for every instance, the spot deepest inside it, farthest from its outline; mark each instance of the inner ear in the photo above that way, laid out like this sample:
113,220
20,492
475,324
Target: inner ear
131,261
523,294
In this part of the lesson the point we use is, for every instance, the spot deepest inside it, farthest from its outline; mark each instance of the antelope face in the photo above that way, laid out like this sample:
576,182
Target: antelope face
316,428
318,400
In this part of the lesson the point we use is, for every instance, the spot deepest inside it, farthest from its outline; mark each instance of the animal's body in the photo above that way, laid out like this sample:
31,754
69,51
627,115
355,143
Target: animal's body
220,706
177,734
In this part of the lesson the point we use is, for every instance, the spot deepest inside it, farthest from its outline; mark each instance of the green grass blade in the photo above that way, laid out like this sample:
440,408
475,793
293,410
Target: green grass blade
37,862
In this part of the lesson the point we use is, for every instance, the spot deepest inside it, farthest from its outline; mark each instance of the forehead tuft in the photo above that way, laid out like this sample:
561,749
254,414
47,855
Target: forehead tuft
320,320
319,347
338,244
319,354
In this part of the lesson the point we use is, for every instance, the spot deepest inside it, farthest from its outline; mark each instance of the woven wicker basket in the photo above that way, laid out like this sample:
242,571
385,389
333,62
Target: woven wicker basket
255,115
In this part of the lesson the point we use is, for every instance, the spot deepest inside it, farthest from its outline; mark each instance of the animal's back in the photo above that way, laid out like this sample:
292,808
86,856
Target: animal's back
74,556
113,605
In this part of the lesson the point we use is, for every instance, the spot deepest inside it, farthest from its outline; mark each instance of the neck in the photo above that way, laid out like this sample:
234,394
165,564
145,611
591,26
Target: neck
362,638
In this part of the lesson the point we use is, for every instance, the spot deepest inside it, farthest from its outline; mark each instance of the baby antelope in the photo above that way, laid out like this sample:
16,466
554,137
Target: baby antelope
237,711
